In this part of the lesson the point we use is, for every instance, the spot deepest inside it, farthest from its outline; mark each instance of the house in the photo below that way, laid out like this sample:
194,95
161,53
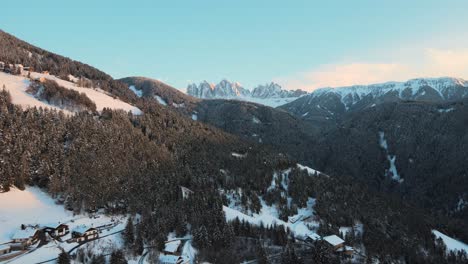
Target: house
334,241
186,192
45,72
346,250
26,236
172,247
310,238
295,219
59,231
2,65
83,234
172,259
4,249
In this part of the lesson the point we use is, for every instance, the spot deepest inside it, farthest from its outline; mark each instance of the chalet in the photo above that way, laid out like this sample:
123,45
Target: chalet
172,247
26,236
346,250
59,231
83,234
172,259
4,249
186,192
334,241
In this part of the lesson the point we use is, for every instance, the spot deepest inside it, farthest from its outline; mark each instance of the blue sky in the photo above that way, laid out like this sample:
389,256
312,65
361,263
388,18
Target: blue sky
300,44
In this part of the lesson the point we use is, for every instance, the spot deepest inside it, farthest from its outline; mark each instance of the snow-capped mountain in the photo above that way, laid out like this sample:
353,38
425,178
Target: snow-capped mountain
271,94
224,89
330,102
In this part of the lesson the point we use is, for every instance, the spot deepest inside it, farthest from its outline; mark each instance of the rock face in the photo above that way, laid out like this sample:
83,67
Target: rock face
224,89
331,103
227,89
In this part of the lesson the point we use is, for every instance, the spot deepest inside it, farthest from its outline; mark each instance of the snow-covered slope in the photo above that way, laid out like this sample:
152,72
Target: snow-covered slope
269,94
34,207
17,86
450,243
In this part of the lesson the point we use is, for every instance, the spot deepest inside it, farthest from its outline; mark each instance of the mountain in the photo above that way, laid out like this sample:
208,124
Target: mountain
224,89
329,104
271,94
232,195
164,94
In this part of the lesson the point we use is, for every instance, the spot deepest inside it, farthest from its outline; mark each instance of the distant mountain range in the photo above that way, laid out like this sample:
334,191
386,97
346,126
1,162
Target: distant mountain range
331,103
271,94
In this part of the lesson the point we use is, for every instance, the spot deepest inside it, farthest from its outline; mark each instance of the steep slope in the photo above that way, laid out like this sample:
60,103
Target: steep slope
16,51
416,150
329,104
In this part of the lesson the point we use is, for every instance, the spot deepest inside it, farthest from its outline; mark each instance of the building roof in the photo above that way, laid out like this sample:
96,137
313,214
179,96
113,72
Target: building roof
4,247
333,240
24,233
172,246
82,229
167,258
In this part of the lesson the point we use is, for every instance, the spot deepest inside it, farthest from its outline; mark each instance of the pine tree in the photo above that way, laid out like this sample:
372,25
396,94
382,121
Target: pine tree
99,259
63,258
261,254
117,257
138,246
128,233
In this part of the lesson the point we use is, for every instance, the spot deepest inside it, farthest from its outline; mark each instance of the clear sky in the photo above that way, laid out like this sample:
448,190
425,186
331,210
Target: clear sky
300,44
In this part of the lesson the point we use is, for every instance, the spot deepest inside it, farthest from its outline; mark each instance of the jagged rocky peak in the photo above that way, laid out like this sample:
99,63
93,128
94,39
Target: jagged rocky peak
227,89
274,90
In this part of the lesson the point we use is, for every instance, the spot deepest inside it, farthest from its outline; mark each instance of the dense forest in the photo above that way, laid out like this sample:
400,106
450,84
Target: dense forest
136,164
122,163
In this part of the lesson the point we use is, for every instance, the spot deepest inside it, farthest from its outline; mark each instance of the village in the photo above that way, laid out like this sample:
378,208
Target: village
32,236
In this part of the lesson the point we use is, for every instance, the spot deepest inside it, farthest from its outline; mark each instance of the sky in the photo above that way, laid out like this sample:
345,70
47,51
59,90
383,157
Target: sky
299,44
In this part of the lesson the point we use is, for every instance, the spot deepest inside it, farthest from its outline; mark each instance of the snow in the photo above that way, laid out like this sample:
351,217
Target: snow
27,207
308,169
172,246
269,216
24,233
17,86
391,158
446,110
194,117
34,207
178,105
305,114
450,243
334,240
138,93
160,100
98,96
356,92
189,251
255,120
238,155
345,230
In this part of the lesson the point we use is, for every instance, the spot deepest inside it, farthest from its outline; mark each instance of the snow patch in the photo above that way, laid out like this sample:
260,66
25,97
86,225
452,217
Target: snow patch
160,100
138,93
450,243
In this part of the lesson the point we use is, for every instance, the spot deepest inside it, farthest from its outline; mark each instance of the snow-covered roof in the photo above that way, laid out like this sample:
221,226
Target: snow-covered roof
334,240
4,247
345,248
163,258
24,233
172,246
81,229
